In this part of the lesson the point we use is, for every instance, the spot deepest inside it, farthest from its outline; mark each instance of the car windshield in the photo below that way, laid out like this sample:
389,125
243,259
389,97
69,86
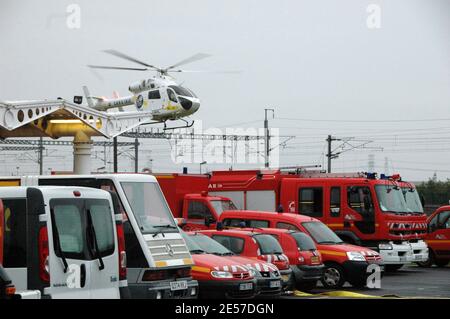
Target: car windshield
304,242
181,90
391,199
222,205
412,199
321,233
268,244
210,246
149,206
194,248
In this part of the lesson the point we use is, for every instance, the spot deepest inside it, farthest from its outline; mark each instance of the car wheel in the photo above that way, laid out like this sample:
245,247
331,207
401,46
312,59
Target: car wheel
429,262
333,276
392,268
441,262
306,286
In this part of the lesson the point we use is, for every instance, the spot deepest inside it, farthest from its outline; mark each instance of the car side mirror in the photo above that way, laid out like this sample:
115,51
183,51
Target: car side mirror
209,221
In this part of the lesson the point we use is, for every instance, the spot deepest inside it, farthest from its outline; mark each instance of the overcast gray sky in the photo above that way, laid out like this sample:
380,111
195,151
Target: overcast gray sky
315,62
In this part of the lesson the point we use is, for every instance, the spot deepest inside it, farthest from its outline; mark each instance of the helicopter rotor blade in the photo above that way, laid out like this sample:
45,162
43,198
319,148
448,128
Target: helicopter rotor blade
115,68
190,59
206,71
129,58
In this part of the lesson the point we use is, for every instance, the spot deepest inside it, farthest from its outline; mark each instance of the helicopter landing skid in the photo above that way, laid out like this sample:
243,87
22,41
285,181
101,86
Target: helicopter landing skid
177,127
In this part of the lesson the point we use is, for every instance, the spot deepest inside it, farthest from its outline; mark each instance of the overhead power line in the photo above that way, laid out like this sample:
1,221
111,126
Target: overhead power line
363,121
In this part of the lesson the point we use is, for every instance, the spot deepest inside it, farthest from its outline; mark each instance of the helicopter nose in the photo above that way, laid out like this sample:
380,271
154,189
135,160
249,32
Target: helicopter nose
195,106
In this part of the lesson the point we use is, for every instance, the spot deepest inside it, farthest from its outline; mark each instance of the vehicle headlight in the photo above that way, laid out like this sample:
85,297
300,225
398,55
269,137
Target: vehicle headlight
385,246
355,256
221,274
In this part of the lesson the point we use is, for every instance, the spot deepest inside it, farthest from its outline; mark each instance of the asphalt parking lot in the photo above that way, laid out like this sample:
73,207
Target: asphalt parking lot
409,281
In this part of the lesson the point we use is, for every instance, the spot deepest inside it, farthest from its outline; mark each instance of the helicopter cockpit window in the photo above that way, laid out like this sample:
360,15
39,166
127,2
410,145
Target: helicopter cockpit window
192,93
180,90
172,96
154,95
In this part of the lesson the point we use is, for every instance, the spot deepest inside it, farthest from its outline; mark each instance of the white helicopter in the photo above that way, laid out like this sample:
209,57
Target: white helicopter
160,95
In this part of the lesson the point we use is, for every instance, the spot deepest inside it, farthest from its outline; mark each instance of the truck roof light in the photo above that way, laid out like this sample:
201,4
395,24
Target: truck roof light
371,175
76,193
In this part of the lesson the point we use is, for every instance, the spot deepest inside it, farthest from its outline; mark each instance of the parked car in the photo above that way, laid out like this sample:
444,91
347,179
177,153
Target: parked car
65,242
218,276
255,245
267,275
343,262
438,238
304,258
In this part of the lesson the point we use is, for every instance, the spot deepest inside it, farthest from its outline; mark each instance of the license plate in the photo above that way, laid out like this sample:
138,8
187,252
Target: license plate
178,285
314,260
247,286
285,277
275,284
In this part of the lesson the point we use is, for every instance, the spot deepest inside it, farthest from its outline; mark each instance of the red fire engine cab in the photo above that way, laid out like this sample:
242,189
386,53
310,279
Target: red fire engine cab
384,214
438,237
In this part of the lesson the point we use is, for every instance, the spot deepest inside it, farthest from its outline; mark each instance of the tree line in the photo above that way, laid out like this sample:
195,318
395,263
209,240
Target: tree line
435,192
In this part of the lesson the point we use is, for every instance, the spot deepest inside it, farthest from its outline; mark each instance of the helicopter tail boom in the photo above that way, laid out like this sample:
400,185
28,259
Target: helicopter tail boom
103,104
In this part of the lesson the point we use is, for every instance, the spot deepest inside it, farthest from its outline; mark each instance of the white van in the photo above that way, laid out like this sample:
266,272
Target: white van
66,242
158,260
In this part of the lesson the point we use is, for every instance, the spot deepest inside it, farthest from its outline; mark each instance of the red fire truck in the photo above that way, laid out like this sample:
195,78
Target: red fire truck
188,198
361,208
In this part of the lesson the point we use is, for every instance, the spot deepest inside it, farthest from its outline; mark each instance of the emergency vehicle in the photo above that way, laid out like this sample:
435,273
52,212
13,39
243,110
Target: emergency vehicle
189,200
304,258
158,261
267,275
343,262
255,245
66,242
361,208
438,237
219,277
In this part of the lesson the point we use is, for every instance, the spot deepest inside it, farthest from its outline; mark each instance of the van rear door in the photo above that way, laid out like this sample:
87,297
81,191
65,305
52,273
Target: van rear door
104,267
84,237
69,257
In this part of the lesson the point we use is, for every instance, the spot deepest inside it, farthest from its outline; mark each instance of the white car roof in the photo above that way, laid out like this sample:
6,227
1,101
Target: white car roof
56,191
119,177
